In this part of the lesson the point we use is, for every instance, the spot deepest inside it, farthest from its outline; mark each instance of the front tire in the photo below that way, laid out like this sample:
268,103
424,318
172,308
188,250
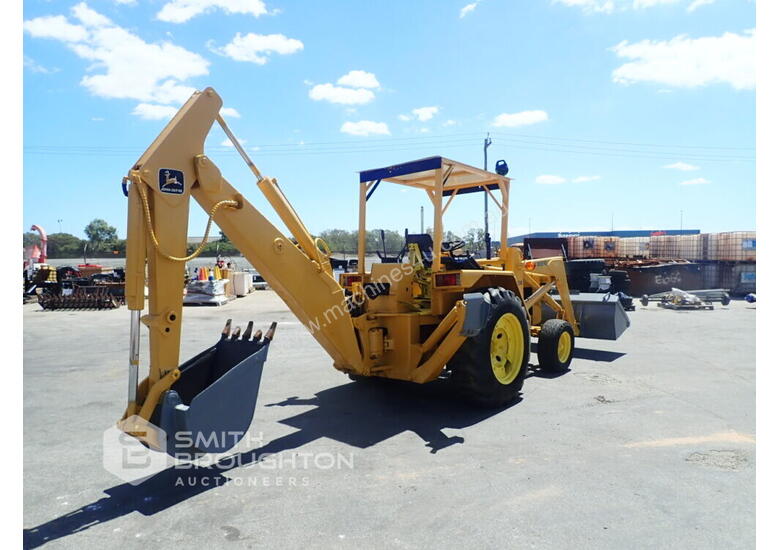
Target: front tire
556,346
489,369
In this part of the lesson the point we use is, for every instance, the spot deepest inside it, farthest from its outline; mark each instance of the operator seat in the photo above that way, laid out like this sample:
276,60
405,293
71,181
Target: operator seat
425,242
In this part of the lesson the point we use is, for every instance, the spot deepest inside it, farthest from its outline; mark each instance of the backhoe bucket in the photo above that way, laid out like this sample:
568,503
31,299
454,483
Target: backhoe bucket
600,316
210,407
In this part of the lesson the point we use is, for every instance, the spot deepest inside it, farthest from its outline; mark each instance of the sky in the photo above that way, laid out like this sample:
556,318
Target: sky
624,114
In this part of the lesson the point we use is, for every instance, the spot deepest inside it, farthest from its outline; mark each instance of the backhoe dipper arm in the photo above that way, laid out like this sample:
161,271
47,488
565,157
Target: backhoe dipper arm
171,170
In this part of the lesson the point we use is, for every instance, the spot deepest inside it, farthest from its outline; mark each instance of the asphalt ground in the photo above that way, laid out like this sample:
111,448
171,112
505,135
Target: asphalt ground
647,442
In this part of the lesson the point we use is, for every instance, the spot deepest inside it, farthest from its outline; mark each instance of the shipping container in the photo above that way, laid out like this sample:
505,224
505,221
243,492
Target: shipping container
737,278
655,279
665,247
587,247
744,279
634,247
609,246
710,274
690,247
735,246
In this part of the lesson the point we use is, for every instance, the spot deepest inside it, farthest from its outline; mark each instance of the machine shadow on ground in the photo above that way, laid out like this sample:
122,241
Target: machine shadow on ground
598,355
360,414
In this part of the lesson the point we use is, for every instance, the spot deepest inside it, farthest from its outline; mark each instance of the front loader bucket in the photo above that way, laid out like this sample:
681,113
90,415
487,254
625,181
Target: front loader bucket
210,407
600,316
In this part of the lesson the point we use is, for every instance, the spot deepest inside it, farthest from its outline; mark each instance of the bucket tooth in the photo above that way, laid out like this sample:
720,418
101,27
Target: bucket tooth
269,335
248,331
226,330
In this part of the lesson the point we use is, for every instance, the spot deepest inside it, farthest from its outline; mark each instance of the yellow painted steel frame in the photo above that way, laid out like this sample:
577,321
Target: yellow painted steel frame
436,186
396,336
299,273
539,277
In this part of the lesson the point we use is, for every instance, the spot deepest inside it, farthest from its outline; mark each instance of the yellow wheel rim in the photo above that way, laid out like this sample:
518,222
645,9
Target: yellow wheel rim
564,347
507,346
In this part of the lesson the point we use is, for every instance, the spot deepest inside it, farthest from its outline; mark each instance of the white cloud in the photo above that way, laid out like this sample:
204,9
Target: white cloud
149,111
125,2
405,118
337,94
590,6
229,112
684,166
523,118
449,122
357,92
611,6
696,4
250,46
181,11
122,65
359,79
468,8
425,113
227,143
549,179
642,4
89,17
690,62
56,27
585,179
365,128
695,181
35,67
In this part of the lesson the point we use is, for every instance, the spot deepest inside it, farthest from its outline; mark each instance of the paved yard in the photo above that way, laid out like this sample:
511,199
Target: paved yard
648,442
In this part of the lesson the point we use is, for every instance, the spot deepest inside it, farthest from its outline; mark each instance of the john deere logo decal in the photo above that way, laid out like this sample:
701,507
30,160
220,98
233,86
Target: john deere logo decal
171,181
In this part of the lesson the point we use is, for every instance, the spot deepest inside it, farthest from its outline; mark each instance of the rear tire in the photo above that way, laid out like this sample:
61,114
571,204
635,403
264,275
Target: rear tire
489,369
556,346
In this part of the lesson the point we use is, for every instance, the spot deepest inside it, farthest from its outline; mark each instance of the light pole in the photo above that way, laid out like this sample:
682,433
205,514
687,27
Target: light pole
59,221
487,143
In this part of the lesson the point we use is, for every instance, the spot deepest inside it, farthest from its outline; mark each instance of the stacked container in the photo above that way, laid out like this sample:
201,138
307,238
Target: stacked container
711,277
691,247
609,246
634,247
665,247
737,278
572,247
586,247
736,246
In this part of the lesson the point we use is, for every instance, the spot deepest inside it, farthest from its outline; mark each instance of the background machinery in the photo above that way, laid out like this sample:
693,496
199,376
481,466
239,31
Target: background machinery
438,313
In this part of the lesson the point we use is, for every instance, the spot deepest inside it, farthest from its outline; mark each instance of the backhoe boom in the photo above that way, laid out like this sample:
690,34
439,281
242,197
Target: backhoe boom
175,167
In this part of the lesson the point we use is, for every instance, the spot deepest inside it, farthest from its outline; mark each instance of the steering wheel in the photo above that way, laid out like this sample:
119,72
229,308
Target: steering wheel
451,246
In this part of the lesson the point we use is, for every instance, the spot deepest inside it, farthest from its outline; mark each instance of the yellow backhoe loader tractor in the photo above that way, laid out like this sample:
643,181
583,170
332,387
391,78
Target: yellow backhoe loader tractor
436,313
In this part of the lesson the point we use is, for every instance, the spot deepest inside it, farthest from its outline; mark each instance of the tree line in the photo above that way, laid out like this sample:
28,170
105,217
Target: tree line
101,241
346,242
